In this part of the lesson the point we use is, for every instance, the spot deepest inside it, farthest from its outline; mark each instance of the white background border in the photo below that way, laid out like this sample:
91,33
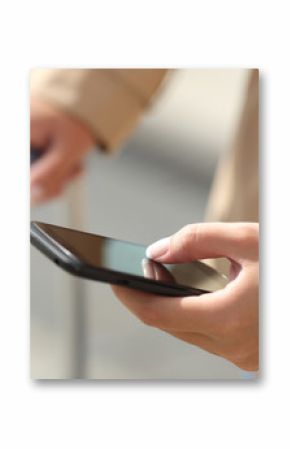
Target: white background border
134,414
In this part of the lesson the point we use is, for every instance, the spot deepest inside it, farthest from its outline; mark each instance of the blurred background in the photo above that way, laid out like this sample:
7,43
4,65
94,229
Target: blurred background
157,183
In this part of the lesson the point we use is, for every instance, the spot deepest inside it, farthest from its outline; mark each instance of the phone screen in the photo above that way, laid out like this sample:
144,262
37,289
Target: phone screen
130,258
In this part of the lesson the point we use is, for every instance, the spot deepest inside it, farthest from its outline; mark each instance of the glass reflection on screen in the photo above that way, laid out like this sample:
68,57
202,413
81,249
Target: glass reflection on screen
130,258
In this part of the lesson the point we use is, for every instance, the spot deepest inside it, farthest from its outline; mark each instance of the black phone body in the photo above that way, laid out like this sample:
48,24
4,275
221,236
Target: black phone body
123,263
35,154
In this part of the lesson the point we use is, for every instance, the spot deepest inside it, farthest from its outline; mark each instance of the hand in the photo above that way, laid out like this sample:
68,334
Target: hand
65,140
226,322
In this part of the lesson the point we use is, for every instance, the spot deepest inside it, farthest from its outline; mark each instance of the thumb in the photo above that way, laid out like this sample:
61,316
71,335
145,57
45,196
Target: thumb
236,241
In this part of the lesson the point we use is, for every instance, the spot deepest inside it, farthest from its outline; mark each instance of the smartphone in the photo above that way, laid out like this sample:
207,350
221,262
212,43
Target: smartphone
119,262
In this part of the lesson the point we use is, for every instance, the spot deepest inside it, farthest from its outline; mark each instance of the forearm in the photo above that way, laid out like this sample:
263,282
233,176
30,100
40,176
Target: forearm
109,101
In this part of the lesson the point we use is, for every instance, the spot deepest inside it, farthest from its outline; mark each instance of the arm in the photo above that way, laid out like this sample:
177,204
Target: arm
74,109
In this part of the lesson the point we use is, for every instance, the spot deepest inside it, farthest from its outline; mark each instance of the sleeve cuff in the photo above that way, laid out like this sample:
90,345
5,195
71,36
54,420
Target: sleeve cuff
104,99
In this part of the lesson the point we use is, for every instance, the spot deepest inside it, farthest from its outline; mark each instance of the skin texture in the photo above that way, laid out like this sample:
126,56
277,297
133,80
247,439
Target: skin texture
65,141
224,323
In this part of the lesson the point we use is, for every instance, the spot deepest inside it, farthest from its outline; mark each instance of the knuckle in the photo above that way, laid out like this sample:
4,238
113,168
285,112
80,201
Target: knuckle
192,231
187,229
248,233
187,236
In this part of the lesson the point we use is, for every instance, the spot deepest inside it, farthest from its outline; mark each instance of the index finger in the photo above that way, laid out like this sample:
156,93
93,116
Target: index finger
187,314
207,240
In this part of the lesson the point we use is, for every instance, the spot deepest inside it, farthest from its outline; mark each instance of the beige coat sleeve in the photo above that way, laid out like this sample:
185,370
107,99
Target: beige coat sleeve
235,190
109,101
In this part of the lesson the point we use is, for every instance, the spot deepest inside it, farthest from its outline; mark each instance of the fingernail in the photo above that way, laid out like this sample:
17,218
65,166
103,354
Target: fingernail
36,194
158,249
